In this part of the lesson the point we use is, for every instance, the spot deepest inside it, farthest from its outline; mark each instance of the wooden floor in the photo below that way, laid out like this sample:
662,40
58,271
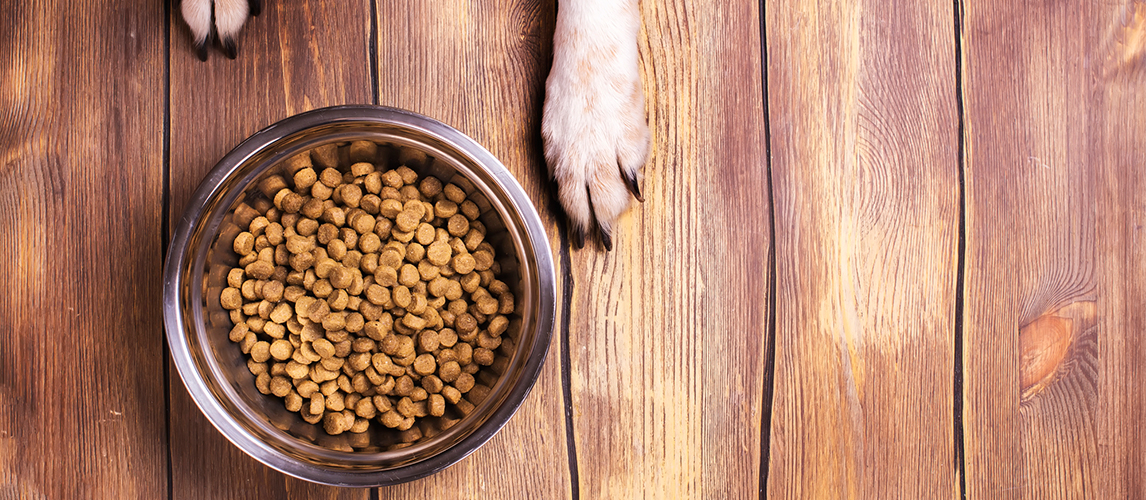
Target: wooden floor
889,249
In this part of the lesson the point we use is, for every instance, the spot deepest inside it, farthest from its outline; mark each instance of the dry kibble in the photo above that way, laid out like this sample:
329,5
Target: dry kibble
364,295
454,193
281,350
458,225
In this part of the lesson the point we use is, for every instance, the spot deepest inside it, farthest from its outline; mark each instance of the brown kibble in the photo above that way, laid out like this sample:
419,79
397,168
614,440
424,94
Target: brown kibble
281,350
464,383
323,348
350,297
404,385
259,269
296,370
365,408
428,341
280,386
437,406
244,243
391,419
463,263
230,298
430,187
293,401
305,178
432,384
439,253
458,225
351,195
341,277
444,209
408,175
425,364
261,351
401,296
408,275
451,394
449,371
483,356
454,193
334,424
498,325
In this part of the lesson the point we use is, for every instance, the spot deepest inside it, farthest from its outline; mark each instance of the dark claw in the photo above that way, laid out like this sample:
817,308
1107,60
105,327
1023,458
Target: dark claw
578,237
606,239
631,183
256,7
201,50
229,48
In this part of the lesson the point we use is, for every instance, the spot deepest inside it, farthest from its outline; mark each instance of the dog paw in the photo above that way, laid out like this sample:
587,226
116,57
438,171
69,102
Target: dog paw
221,19
594,127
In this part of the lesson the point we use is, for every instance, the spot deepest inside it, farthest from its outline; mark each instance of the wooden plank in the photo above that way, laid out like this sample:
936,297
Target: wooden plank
294,57
669,330
1055,120
81,184
480,68
865,166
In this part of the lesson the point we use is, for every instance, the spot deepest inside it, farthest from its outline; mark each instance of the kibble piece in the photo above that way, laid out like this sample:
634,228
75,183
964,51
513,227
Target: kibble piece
465,382
261,351
426,365
231,298
463,263
451,394
305,178
280,386
454,193
449,371
408,275
458,225
281,350
351,195
244,243
483,356
437,406
439,253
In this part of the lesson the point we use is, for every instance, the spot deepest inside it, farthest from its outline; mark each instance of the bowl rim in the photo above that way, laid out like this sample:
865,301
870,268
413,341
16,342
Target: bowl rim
179,255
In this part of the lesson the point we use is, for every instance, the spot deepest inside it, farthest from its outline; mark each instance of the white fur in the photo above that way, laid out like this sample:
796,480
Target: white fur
230,16
197,13
594,121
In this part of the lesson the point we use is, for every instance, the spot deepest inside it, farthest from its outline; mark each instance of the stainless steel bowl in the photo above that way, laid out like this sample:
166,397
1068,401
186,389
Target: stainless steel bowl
213,368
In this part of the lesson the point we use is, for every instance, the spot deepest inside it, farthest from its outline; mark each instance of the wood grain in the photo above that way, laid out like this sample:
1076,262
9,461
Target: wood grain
669,330
865,166
480,67
81,148
1055,121
294,57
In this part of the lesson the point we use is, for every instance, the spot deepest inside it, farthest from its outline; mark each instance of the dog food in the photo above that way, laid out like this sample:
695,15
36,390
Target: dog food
366,297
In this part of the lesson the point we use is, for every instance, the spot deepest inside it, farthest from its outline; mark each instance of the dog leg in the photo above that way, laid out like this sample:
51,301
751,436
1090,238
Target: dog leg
229,18
594,125
197,14
224,18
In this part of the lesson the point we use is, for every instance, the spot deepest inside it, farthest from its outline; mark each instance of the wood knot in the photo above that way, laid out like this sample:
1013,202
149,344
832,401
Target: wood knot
1126,43
1045,345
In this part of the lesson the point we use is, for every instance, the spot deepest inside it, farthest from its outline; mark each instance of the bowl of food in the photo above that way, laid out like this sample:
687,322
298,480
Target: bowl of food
359,296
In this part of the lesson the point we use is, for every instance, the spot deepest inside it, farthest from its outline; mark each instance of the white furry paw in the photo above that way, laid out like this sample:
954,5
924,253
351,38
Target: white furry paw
594,126
222,18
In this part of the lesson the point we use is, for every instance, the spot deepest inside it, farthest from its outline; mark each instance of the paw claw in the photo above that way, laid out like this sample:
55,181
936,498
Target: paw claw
230,49
201,50
606,238
577,235
256,7
631,183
